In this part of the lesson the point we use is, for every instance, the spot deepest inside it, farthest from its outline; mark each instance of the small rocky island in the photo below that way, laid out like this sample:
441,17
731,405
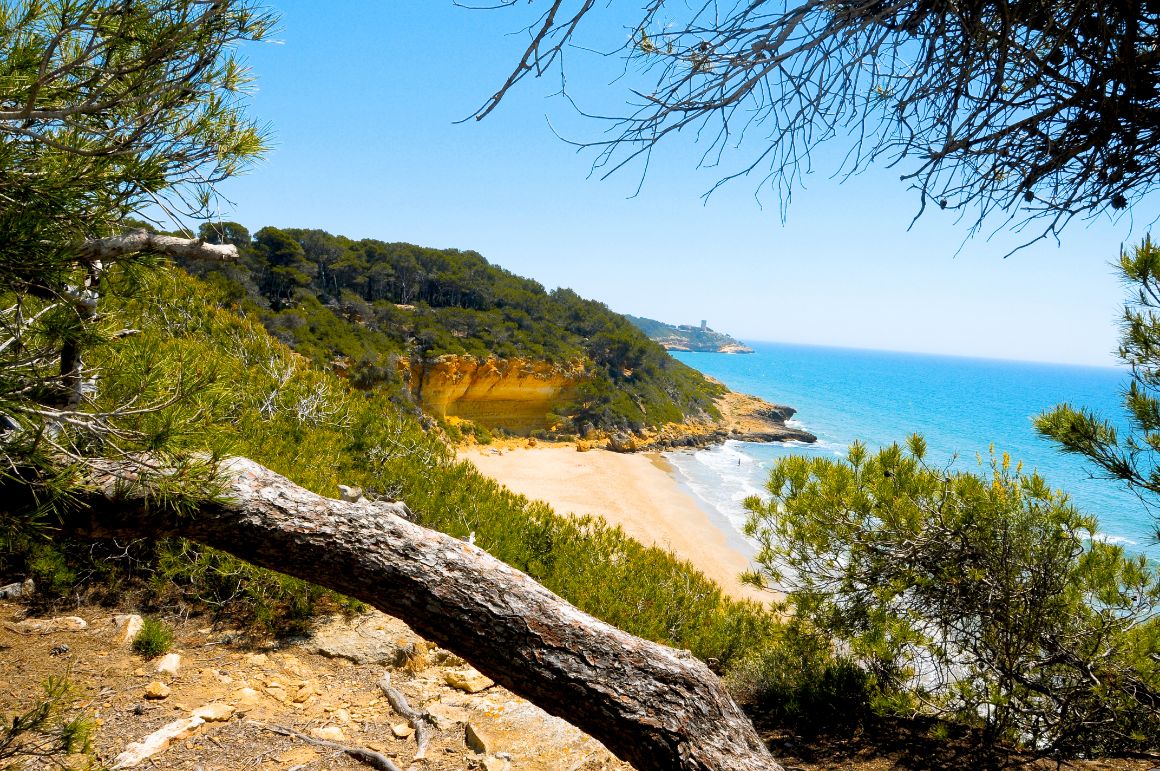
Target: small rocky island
685,337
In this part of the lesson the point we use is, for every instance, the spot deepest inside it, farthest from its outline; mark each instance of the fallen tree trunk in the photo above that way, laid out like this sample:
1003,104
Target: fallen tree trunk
656,707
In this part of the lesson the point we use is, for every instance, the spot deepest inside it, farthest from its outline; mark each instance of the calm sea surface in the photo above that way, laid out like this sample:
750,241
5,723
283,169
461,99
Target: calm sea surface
960,405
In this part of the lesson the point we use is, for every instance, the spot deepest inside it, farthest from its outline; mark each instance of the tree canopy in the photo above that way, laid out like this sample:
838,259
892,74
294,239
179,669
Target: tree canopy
107,107
1130,456
1032,110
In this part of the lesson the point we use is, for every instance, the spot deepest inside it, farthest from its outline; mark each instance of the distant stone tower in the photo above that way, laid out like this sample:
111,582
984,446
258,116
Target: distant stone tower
704,325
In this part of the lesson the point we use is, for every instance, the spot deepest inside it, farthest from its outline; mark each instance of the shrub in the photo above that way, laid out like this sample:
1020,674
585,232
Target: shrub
481,433
983,598
798,677
155,638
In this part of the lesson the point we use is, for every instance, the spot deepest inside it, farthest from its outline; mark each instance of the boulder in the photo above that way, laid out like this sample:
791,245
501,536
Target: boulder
373,638
127,625
621,442
478,739
156,690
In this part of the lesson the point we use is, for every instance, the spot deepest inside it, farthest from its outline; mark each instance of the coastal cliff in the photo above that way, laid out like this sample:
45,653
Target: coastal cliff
516,395
520,396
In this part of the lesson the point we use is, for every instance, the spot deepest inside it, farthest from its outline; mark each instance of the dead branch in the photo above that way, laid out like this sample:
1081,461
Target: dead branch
419,720
137,241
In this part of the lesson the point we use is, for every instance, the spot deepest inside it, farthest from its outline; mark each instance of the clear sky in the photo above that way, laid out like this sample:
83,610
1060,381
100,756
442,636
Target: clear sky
362,99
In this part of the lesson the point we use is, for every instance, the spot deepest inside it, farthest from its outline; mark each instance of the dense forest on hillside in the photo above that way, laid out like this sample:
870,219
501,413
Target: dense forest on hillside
361,305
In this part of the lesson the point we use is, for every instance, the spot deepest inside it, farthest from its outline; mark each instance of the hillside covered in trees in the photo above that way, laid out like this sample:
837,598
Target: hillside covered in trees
362,306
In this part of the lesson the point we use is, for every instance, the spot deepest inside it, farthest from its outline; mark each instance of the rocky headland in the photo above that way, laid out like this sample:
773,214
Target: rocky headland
520,396
686,337
744,418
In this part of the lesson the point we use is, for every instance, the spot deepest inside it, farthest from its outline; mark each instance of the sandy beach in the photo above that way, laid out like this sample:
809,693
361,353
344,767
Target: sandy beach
634,491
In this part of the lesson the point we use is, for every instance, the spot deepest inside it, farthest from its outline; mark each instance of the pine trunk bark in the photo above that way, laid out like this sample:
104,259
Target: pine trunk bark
657,708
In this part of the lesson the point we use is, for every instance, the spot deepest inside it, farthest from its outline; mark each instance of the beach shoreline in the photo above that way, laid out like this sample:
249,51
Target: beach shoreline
637,491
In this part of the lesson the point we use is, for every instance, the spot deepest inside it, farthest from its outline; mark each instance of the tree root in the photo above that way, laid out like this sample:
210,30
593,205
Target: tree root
419,720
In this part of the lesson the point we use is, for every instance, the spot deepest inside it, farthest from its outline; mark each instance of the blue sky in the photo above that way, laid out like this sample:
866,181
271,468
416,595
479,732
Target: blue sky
362,99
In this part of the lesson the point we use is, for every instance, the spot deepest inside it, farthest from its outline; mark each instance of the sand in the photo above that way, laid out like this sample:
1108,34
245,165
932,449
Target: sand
634,491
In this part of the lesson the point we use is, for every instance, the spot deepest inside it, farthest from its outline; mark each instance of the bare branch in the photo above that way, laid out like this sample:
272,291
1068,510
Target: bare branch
1036,111
110,248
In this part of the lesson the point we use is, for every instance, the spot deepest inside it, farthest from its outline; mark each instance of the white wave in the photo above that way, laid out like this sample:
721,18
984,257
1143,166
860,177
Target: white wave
722,477
1114,539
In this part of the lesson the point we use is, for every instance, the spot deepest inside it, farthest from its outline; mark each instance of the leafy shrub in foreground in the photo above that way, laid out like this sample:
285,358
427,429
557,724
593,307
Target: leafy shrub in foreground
982,598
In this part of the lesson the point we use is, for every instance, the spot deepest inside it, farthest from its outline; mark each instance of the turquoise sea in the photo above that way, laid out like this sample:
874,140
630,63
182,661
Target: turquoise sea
959,405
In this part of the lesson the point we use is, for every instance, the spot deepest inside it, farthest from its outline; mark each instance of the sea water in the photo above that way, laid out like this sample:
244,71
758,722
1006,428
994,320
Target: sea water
961,407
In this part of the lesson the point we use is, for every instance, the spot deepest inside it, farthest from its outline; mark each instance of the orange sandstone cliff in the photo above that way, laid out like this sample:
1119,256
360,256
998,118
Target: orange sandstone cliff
514,394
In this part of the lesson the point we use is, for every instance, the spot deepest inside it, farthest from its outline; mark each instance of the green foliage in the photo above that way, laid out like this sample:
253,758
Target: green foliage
798,677
256,398
51,730
980,597
109,107
1133,459
365,303
155,638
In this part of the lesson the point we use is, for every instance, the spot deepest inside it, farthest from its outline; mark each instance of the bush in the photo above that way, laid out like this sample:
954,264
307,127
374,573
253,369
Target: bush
798,677
155,638
481,433
982,598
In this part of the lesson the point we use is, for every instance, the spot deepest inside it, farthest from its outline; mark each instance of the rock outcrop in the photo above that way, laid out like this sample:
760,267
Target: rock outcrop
514,394
744,418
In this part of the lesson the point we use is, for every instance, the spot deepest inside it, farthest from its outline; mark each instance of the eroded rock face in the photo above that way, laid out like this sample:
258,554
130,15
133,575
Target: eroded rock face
513,394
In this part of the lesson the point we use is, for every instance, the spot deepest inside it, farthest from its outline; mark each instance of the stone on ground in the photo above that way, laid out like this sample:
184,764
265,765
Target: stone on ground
157,742
169,664
467,680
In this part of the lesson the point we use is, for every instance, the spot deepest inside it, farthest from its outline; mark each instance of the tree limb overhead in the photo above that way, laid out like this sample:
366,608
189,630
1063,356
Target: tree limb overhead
135,241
